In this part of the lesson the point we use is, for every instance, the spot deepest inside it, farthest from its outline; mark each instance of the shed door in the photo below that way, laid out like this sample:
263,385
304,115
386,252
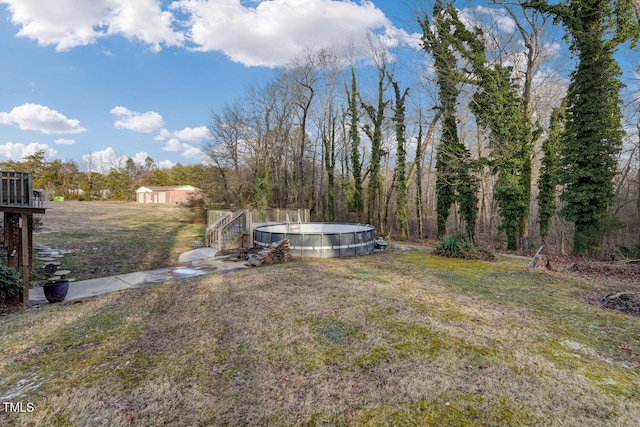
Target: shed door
163,197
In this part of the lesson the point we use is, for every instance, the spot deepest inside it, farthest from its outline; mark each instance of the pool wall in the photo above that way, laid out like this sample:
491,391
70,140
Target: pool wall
320,240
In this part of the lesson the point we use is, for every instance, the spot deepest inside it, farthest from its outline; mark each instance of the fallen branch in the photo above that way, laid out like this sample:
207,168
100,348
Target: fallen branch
627,261
533,260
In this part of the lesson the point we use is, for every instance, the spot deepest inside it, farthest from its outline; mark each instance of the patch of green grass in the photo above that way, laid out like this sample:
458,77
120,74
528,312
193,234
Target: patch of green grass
557,307
335,332
373,357
69,261
137,369
605,373
456,409
61,421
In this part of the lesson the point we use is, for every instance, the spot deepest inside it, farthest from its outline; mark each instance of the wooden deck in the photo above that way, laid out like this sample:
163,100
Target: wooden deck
18,202
17,194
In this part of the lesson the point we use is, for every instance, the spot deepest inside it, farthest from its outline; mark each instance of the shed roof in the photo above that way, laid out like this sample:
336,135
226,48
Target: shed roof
152,188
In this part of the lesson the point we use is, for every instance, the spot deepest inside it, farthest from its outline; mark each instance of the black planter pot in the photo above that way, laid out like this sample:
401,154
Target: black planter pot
56,291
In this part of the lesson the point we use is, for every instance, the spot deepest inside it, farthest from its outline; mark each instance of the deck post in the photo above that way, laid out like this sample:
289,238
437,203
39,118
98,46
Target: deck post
19,202
26,271
249,229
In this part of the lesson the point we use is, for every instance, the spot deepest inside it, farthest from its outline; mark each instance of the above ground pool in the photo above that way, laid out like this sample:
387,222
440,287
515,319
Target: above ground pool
316,239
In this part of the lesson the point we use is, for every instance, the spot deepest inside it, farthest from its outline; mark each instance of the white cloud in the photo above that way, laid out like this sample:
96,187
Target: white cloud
166,164
140,157
549,88
269,32
193,134
502,20
468,20
551,49
162,135
106,160
490,20
518,57
70,23
138,122
103,161
192,153
17,151
186,134
40,118
173,145
65,141
187,151
275,31
144,20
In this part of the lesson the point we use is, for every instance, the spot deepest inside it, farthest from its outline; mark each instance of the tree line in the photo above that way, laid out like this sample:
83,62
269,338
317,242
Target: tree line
68,180
486,139
474,144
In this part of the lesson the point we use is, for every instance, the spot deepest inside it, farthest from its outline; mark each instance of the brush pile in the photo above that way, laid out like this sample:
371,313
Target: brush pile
275,253
625,302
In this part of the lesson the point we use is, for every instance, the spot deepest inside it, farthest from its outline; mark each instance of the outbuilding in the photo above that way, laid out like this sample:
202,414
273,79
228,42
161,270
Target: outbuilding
168,194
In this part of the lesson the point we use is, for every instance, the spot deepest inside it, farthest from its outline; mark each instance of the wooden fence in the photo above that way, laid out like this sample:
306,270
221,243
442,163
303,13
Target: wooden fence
224,227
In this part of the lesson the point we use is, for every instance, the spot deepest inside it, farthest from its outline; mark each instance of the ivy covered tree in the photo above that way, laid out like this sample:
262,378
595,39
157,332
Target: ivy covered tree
550,172
374,132
593,134
455,180
467,194
329,141
355,195
417,165
401,155
498,107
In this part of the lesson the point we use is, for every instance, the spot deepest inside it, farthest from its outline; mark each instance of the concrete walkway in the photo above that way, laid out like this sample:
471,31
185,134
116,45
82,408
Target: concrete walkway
193,263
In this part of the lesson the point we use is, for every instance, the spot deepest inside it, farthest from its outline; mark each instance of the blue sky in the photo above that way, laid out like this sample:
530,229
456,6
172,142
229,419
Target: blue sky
131,78
111,79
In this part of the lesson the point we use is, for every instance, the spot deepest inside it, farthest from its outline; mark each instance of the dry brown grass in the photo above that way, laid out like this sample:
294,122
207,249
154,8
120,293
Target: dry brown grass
388,339
109,238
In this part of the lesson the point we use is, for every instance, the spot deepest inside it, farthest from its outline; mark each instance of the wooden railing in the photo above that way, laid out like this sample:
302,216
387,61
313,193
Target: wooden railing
215,215
231,230
211,233
16,189
226,229
226,226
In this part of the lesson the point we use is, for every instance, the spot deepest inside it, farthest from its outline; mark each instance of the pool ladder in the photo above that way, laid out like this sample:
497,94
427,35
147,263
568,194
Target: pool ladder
288,221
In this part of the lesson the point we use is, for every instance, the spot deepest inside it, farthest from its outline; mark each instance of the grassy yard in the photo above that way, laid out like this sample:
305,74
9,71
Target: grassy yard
109,238
401,338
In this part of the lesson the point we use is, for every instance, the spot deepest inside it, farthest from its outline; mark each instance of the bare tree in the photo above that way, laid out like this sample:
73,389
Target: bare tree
305,72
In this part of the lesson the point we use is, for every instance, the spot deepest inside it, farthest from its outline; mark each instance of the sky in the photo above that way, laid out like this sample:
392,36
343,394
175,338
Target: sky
102,80
99,81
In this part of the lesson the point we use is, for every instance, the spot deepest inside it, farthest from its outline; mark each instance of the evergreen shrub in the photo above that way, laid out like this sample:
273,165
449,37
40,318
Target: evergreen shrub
10,286
460,246
630,251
